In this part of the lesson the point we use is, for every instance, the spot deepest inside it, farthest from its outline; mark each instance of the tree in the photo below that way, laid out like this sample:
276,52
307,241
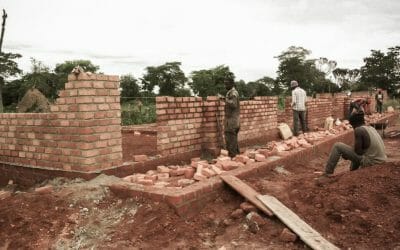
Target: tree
8,68
382,70
294,65
130,87
346,79
210,82
168,77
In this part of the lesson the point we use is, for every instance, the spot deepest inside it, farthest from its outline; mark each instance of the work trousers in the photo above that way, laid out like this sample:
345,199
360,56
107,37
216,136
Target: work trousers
379,108
299,116
342,150
231,139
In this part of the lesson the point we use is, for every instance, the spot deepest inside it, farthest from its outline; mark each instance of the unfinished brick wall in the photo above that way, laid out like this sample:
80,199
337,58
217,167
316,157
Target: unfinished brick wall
179,123
187,124
82,133
258,117
317,111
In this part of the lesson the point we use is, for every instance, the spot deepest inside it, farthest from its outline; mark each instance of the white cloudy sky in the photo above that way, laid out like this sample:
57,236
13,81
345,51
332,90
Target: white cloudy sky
126,36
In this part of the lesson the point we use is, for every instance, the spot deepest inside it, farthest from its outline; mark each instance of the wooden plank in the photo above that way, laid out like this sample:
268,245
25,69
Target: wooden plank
306,233
246,191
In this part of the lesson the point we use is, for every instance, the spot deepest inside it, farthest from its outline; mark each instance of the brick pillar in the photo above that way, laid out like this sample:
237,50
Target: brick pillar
89,107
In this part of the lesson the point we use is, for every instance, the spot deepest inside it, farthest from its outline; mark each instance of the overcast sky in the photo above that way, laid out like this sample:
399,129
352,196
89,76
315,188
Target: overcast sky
126,36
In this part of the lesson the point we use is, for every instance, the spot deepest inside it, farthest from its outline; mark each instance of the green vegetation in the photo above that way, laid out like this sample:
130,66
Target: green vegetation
131,113
315,75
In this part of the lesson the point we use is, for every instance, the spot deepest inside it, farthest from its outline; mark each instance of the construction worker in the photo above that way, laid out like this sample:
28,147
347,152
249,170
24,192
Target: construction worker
299,98
368,147
360,105
232,119
379,101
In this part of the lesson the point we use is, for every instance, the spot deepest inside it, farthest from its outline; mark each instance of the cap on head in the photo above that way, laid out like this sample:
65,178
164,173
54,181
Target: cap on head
294,84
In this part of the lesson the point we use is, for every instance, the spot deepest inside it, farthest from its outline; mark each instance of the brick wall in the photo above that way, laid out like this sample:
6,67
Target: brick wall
187,124
258,117
317,111
82,132
179,122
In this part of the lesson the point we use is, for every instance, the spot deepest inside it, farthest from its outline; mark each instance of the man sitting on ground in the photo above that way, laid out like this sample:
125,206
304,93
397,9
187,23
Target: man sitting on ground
368,147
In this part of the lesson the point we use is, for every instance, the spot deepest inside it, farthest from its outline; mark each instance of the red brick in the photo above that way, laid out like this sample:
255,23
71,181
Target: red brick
287,236
238,213
44,190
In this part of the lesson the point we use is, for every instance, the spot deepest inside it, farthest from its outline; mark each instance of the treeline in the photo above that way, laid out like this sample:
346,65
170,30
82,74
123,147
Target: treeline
315,75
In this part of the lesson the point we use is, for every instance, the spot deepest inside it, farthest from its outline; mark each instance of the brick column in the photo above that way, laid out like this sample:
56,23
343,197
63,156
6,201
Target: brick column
89,110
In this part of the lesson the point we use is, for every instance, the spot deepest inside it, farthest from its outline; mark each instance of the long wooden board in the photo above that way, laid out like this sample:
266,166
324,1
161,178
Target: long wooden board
306,233
246,191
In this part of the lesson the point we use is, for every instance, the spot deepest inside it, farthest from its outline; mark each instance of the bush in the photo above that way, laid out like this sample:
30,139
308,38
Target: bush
134,115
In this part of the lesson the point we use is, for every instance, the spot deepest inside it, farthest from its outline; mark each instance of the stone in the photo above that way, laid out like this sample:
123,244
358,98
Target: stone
248,207
238,213
224,152
284,131
287,236
44,190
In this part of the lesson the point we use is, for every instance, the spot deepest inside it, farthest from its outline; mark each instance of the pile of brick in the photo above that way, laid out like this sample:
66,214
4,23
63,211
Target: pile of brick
373,118
174,176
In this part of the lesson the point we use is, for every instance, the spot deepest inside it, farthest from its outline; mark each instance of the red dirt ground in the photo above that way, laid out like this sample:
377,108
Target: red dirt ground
354,210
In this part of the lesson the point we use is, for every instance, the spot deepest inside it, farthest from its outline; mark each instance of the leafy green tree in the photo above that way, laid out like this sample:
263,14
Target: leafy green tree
168,77
8,68
294,65
382,70
41,78
210,82
130,86
67,66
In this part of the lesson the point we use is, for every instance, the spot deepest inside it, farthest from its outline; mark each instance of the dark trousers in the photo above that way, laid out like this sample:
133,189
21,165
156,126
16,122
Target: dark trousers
342,150
379,107
231,139
299,116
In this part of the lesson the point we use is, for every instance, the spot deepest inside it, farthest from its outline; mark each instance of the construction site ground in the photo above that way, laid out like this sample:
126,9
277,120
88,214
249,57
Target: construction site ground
353,210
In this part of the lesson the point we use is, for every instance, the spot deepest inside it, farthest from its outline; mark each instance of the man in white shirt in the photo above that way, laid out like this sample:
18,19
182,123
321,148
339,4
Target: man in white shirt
299,97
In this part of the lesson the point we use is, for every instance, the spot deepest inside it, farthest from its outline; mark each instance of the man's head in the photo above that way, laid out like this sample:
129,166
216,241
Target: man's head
380,91
357,119
229,83
294,84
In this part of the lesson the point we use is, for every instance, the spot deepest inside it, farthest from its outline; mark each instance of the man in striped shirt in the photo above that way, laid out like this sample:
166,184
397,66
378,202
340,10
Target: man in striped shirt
299,98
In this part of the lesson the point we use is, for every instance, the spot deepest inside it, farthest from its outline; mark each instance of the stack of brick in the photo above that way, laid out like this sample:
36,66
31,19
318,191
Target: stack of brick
82,133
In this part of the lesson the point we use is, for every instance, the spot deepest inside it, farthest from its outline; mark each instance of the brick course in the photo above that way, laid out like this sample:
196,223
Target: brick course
82,132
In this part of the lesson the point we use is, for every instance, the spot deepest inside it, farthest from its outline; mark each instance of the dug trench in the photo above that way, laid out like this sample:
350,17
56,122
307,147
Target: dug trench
357,210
